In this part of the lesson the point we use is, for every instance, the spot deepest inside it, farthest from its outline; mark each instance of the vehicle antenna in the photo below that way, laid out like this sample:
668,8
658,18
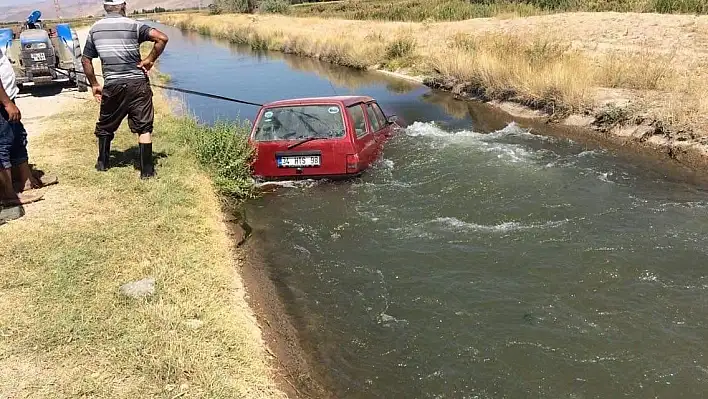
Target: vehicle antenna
332,86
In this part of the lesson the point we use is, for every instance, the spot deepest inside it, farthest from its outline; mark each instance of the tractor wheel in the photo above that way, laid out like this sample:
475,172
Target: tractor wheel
81,87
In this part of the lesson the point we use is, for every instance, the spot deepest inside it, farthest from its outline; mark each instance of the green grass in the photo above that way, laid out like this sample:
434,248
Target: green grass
223,151
453,10
65,331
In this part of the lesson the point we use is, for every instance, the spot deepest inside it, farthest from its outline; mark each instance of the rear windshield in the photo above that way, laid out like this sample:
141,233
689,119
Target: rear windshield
300,122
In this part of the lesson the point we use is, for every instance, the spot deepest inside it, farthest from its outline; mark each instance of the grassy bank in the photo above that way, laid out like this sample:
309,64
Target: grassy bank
563,63
456,10
66,331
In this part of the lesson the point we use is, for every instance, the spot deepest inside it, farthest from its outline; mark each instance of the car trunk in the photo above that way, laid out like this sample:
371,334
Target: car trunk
298,162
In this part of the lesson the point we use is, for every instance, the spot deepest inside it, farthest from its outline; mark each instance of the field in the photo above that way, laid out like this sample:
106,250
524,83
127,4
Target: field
456,10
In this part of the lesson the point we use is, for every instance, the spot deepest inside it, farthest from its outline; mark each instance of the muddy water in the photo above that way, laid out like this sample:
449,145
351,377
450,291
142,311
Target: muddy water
477,259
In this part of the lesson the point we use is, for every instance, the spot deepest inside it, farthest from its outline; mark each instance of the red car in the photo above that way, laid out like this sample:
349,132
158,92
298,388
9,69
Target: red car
327,137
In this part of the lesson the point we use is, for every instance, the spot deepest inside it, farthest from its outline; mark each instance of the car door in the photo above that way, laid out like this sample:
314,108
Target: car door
386,128
378,126
364,137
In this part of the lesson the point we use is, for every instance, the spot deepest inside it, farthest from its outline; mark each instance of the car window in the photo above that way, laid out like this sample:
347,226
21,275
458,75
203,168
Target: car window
373,120
300,122
379,114
357,114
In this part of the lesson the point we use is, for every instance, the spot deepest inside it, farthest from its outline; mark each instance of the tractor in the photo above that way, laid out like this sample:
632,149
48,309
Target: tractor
43,56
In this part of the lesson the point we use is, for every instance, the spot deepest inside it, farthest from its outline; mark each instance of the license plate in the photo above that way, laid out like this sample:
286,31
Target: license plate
38,57
298,162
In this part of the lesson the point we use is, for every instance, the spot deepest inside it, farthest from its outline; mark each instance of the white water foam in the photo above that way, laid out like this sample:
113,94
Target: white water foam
426,230
431,129
389,321
483,141
457,224
605,177
286,183
571,160
588,153
687,205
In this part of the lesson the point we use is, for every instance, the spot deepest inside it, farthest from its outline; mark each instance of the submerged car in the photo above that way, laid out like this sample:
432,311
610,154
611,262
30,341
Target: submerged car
325,137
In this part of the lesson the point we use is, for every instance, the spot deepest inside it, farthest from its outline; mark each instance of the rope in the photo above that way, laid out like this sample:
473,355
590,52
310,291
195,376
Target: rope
197,93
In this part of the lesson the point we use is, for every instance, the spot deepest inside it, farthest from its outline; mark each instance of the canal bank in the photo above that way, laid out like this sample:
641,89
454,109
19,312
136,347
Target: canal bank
621,76
117,287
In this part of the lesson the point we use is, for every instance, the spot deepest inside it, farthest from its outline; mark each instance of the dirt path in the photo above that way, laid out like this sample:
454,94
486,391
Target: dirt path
39,106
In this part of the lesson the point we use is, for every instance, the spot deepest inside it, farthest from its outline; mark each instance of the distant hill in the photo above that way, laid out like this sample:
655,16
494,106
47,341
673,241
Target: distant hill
76,8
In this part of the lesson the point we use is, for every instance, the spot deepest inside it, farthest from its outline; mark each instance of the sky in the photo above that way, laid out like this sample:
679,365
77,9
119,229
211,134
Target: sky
5,3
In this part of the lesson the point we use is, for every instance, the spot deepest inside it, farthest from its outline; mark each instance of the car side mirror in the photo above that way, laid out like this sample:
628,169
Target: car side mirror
391,119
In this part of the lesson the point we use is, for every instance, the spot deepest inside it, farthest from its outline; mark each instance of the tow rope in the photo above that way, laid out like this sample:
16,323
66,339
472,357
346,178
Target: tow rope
196,93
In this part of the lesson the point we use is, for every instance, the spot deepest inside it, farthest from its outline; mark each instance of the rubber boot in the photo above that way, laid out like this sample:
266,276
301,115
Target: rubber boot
104,152
147,170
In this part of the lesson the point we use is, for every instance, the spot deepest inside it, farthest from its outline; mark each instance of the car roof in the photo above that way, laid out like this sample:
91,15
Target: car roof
343,100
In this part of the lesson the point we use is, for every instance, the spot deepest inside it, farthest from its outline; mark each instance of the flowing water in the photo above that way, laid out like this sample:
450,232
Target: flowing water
476,259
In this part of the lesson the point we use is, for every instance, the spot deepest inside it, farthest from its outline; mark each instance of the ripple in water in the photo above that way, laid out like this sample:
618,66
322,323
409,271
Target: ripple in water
457,224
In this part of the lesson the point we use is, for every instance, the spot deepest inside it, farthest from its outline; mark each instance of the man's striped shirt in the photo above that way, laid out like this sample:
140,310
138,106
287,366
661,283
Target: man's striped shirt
116,40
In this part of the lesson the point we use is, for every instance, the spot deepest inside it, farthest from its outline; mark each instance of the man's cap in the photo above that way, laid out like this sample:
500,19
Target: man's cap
113,2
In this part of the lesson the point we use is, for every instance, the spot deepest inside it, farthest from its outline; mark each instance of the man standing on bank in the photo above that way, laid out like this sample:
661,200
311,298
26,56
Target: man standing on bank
126,91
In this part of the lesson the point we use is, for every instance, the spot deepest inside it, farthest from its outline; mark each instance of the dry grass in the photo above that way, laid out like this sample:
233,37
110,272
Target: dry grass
334,48
64,329
538,73
642,71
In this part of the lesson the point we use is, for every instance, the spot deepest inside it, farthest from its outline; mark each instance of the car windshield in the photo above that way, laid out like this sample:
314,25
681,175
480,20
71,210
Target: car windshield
300,122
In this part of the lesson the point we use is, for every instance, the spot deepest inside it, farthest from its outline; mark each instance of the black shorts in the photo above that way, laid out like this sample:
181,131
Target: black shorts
131,98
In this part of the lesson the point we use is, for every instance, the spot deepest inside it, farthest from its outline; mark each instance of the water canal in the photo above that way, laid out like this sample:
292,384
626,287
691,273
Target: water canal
476,260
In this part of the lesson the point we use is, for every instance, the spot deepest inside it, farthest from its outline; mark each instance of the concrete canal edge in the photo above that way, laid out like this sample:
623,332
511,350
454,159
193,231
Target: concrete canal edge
290,354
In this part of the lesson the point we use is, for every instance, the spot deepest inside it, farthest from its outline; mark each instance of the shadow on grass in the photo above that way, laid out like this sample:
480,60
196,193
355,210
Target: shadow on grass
131,157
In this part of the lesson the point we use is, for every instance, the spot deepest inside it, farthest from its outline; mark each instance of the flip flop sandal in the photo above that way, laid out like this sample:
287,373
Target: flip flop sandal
22,199
48,180
44,181
11,213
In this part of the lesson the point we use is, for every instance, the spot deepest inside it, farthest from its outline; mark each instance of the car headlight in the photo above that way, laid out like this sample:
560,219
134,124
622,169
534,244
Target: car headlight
41,45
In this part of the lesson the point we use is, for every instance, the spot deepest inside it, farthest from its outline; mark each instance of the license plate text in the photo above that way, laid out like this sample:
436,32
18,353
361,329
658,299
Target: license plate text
295,162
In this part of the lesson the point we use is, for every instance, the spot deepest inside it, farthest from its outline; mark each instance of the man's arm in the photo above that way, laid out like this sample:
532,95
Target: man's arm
87,62
10,107
89,71
160,40
91,77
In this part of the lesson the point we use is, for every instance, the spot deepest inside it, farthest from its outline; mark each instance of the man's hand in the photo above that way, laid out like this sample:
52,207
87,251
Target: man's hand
146,65
97,92
160,40
13,112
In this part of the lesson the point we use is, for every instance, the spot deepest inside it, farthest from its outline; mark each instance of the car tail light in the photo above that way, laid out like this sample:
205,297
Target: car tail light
352,163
